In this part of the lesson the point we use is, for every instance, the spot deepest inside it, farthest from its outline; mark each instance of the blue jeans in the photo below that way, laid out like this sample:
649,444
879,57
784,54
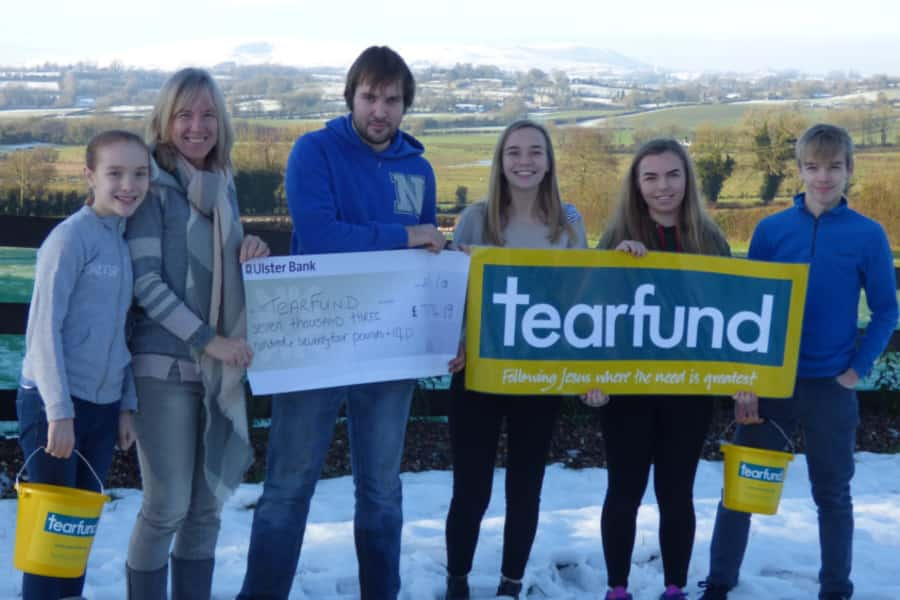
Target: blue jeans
96,430
178,502
302,428
828,415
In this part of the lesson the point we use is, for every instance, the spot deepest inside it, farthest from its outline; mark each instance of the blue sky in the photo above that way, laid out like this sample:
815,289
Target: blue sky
863,35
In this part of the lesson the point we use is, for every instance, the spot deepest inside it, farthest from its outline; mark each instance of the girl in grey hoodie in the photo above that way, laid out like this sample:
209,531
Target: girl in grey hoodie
76,392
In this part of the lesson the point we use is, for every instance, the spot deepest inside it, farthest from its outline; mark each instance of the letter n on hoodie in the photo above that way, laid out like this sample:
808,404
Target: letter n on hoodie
409,193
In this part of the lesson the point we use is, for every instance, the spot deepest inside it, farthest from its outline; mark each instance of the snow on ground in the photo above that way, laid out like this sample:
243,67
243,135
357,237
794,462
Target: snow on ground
567,561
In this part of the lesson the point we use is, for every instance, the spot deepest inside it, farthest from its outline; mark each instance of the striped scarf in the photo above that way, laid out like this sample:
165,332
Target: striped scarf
215,293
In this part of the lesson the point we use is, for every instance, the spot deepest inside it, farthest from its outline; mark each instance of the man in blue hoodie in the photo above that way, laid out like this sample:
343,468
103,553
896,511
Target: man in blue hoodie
846,253
360,184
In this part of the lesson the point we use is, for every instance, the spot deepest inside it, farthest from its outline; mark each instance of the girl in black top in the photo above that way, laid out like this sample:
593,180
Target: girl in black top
658,209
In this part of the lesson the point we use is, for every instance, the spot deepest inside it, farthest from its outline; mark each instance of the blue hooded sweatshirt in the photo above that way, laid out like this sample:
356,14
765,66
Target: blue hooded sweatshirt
346,197
846,253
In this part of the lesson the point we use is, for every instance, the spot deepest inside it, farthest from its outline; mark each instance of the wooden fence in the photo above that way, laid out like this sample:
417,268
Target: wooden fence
29,232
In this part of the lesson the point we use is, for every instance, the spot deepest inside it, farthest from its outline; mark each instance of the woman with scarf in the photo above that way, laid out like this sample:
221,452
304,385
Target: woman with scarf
188,340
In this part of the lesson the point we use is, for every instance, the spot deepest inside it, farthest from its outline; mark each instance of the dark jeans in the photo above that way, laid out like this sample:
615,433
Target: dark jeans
828,415
302,427
96,430
666,432
475,422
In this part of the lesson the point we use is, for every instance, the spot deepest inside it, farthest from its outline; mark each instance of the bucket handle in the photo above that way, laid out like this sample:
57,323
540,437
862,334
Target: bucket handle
39,448
790,444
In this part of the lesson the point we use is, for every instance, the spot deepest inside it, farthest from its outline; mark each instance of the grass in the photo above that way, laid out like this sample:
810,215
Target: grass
282,122
458,160
573,115
16,274
687,118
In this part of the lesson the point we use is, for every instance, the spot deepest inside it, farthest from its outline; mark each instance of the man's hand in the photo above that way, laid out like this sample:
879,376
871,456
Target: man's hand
848,378
425,236
746,408
60,438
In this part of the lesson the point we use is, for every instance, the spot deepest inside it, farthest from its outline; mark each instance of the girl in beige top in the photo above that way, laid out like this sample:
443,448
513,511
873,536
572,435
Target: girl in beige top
523,210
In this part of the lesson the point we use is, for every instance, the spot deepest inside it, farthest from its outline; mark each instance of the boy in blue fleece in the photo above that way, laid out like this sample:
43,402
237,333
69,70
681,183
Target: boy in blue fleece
360,184
846,253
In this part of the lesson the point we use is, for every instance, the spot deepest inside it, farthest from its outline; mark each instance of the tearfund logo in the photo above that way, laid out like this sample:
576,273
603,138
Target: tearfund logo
761,473
70,526
578,313
542,325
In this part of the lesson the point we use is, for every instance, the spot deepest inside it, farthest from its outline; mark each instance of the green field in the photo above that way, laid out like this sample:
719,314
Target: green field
16,281
687,118
460,160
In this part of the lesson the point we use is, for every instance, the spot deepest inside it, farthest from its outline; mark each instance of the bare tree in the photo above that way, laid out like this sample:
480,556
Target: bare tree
29,171
772,135
588,173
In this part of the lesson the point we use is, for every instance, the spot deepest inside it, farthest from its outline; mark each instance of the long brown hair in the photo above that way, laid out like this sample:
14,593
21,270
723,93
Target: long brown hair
549,204
176,94
632,221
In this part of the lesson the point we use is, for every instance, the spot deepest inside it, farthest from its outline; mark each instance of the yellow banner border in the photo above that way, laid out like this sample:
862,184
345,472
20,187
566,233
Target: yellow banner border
771,381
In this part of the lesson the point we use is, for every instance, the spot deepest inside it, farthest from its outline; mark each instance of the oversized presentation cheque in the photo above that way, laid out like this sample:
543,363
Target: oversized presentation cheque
325,320
566,321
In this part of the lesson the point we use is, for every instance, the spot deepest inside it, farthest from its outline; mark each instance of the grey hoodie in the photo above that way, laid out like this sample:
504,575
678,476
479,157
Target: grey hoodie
75,340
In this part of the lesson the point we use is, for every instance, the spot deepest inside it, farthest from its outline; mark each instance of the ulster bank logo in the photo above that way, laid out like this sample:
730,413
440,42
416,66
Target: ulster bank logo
409,194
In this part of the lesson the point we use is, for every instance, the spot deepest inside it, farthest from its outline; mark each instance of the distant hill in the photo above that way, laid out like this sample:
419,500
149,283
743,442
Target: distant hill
547,57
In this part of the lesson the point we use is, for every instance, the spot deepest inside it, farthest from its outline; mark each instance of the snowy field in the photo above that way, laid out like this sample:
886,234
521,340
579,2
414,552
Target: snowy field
567,560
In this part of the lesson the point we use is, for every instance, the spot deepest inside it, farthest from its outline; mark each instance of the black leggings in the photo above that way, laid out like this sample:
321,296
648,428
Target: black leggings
668,433
475,422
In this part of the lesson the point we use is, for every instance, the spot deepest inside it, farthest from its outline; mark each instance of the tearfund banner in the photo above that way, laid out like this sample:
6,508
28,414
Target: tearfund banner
566,321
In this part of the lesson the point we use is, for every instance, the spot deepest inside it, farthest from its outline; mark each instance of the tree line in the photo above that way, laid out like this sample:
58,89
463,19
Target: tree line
589,163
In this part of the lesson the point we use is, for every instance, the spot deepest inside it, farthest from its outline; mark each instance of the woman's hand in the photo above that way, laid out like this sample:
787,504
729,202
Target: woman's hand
234,352
458,363
253,247
126,430
60,438
632,247
746,408
595,398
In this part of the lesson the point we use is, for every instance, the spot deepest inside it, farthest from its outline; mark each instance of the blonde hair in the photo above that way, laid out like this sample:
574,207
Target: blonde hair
549,204
824,142
178,92
632,221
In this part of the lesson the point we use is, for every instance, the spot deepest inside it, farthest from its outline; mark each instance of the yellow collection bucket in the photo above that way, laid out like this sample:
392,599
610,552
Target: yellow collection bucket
55,526
754,477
